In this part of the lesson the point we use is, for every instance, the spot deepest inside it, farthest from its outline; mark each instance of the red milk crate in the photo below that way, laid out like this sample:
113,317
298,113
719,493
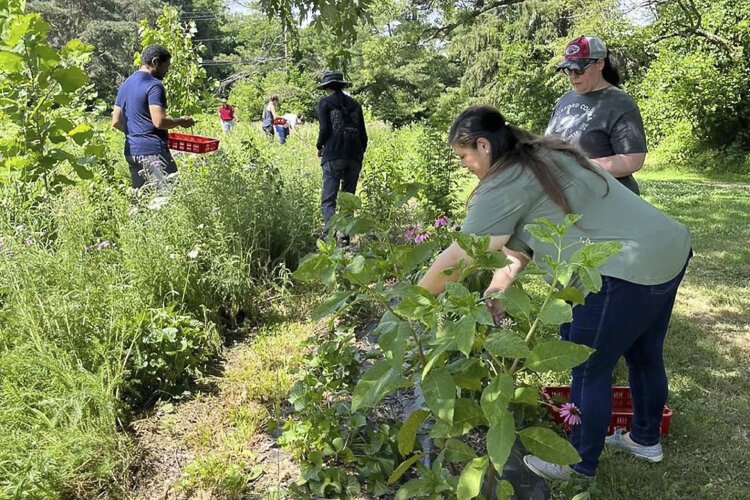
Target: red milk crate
192,143
622,408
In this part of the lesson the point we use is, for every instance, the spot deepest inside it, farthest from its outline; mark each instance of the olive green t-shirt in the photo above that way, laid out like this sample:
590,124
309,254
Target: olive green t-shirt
654,247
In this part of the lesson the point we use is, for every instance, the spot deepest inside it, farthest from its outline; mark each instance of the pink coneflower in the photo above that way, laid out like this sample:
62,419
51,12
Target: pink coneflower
441,221
570,413
421,238
410,233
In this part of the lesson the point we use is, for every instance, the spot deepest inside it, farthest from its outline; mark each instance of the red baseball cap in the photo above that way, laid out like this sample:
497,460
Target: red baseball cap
581,50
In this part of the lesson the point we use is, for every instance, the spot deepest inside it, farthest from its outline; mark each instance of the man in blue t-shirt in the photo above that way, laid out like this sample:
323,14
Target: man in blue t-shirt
140,113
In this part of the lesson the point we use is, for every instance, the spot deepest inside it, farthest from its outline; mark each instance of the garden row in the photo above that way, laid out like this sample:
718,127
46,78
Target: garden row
112,300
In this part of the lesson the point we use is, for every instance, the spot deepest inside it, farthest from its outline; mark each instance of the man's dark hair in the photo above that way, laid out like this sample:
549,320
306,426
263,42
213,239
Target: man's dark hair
155,52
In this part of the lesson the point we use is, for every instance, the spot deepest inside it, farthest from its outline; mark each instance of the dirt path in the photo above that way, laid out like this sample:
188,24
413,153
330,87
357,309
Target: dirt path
218,443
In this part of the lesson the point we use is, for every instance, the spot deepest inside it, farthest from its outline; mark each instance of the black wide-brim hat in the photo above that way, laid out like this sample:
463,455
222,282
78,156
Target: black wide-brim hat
330,77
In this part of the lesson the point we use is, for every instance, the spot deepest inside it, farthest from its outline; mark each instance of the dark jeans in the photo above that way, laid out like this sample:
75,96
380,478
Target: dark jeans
151,169
337,174
622,319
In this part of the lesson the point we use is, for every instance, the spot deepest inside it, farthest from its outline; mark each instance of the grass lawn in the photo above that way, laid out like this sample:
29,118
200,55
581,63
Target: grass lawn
707,454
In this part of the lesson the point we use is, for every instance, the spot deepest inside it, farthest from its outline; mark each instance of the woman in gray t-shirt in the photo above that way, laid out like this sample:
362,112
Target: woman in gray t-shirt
596,115
523,176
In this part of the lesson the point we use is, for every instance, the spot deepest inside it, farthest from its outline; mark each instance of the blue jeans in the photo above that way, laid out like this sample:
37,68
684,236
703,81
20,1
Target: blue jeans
282,133
622,319
337,174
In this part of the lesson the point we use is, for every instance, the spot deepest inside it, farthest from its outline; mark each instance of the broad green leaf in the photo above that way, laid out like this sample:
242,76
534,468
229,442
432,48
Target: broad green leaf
95,149
315,266
439,393
565,274
81,133
388,322
541,233
468,373
467,415
516,302
414,488
491,260
441,347
331,305
526,395
376,382
506,344
547,445
347,202
557,356
570,294
465,331
504,490
496,396
556,312
10,62
409,257
590,278
71,79
458,452
394,342
500,439
595,254
360,225
568,221
470,481
416,303
76,48
46,56
408,432
361,270
403,467
82,171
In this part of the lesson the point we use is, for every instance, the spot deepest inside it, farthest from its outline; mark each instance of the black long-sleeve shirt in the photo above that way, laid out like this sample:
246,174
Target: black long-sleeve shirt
342,133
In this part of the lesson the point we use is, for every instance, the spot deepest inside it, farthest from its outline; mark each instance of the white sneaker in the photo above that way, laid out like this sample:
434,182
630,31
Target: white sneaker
550,471
620,440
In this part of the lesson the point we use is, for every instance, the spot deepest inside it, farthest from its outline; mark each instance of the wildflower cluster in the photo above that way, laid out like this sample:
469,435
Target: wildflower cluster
416,235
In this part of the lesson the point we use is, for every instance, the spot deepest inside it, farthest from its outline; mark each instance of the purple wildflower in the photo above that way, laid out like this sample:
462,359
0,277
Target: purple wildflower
410,233
104,244
441,221
570,413
421,238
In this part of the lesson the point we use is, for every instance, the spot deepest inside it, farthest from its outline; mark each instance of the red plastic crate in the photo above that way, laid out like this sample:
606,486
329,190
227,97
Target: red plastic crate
622,408
192,143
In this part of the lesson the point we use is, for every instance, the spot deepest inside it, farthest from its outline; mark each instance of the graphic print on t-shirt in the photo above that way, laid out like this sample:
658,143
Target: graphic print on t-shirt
572,120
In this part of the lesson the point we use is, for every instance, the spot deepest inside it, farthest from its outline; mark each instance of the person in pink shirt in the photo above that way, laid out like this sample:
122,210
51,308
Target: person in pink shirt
226,114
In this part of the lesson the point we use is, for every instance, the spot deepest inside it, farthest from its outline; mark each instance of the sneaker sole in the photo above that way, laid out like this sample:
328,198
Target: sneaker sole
624,449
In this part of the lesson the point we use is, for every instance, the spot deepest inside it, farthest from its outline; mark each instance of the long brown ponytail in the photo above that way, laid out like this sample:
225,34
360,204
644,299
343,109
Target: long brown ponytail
513,145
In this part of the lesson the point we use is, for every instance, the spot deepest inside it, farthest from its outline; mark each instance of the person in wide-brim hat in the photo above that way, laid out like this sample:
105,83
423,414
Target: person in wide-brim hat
335,78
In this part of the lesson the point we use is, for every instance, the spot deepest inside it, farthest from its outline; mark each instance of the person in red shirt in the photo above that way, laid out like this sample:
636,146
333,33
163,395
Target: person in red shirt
226,113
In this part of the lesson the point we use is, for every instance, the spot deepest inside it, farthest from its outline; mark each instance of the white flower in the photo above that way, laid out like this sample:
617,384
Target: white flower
172,256
192,254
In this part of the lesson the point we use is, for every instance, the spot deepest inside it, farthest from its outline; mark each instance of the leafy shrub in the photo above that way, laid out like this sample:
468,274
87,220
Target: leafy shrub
168,351
414,154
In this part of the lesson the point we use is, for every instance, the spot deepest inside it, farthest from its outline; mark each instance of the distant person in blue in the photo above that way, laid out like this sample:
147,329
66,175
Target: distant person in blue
141,114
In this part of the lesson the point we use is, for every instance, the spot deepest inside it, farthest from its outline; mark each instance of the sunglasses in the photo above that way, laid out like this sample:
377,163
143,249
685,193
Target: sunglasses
578,72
